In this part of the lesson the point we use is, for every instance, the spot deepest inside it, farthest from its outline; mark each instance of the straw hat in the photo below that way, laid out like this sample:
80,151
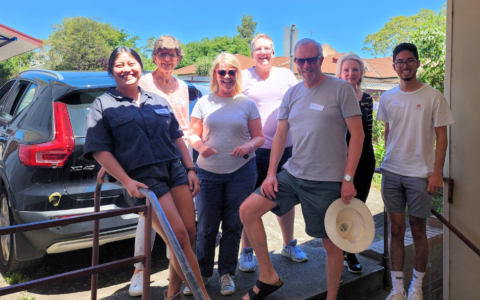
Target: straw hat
350,227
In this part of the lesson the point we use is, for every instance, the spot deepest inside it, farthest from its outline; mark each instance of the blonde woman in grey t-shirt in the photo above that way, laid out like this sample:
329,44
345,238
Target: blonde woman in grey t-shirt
226,130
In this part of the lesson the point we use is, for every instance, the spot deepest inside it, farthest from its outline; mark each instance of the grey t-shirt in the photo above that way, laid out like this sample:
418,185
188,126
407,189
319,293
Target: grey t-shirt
317,122
225,126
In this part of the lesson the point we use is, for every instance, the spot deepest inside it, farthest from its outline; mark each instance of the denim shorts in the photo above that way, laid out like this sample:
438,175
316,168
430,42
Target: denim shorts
159,177
398,191
314,196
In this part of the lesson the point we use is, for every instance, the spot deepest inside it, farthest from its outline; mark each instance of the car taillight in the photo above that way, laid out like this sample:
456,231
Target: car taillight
56,152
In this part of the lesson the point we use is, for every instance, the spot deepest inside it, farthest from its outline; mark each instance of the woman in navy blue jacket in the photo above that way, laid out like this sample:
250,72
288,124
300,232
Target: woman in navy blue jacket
135,136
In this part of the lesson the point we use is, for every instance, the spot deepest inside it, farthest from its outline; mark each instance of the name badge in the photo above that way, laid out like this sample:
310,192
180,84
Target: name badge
163,111
180,101
316,106
398,103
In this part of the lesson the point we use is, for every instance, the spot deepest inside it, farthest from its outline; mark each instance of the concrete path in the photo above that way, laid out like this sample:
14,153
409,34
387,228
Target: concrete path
114,284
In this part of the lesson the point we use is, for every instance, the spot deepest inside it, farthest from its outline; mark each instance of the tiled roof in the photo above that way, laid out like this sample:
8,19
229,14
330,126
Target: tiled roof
375,67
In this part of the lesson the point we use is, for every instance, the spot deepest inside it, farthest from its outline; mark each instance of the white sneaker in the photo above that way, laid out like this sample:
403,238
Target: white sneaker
395,296
228,287
136,287
188,292
414,294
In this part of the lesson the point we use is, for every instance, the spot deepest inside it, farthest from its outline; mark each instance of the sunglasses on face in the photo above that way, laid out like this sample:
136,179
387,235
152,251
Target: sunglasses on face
162,55
311,60
224,72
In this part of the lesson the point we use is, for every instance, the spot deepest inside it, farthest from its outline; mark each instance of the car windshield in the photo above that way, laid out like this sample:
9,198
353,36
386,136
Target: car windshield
78,105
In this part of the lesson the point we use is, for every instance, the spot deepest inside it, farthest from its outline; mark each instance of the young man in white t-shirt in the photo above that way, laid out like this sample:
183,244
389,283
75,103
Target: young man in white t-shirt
416,116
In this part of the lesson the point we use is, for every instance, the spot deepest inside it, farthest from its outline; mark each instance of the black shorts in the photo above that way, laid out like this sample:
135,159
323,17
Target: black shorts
159,178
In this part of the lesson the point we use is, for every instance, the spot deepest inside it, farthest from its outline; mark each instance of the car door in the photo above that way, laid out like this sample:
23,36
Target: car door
4,118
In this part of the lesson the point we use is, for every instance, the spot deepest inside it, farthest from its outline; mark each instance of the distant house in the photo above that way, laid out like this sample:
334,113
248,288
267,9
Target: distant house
379,74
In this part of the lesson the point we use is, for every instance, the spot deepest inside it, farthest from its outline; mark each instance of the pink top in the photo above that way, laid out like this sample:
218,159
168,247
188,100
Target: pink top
268,97
178,99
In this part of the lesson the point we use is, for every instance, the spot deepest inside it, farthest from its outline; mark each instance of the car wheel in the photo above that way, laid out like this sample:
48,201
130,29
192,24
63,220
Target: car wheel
9,262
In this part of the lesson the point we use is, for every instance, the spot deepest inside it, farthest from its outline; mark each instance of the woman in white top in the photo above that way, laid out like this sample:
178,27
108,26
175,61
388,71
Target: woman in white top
226,130
266,85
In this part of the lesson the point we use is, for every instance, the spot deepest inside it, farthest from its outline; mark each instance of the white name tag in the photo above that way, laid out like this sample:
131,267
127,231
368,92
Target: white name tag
162,111
398,103
316,106
180,101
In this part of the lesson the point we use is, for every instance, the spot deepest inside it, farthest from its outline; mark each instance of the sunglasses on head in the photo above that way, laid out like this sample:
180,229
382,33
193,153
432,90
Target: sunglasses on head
224,72
311,60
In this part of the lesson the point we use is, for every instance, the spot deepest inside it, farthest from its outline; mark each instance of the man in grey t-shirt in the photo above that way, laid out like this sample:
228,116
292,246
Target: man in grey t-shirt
318,112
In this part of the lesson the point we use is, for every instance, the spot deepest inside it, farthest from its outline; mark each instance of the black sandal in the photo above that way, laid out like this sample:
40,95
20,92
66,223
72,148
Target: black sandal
264,289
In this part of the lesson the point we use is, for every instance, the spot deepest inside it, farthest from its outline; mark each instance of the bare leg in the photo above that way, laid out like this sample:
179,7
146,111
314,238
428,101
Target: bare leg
419,232
286,223
334,268
251,212
397,235
179,227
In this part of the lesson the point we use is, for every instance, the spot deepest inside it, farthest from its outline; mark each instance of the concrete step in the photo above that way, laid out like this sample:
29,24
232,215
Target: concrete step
301,280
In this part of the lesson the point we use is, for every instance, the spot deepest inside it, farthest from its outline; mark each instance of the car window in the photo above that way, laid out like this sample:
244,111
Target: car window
15,96
4,91
27,99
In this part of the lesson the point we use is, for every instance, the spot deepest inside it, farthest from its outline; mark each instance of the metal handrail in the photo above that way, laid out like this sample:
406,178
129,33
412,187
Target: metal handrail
177,250
151,201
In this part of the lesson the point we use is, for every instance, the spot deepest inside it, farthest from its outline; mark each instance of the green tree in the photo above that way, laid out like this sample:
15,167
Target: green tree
84,43
247,29
398,30
203,66
431,41
211,47
12,66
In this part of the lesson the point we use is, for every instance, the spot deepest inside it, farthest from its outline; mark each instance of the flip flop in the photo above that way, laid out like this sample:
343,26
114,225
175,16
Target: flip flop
264,289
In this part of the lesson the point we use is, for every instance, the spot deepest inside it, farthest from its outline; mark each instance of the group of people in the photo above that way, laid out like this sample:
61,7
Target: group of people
265,143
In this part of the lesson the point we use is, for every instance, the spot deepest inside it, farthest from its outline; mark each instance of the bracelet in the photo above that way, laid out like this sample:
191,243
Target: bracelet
251,145
191,169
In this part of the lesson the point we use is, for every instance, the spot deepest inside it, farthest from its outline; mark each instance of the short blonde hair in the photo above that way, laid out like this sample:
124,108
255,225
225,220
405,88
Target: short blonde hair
260,36
353,57
231,61
167,42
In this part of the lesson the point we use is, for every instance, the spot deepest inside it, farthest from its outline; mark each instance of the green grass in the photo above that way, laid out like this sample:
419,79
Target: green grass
16,277
26,296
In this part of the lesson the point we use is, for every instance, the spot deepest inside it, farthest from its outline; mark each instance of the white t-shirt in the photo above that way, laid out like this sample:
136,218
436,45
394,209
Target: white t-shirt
225,126
412,117
317,122
268,97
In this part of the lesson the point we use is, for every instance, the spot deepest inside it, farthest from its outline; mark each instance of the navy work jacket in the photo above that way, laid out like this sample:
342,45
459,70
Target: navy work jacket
136,136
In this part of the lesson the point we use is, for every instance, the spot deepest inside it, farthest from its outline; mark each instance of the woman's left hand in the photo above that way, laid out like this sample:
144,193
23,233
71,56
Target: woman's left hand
193,183
241,151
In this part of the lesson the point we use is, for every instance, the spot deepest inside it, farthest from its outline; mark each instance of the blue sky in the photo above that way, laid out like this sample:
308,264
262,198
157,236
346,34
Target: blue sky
342,24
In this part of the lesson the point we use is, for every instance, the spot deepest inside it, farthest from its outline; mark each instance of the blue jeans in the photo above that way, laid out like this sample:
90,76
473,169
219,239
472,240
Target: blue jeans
219,200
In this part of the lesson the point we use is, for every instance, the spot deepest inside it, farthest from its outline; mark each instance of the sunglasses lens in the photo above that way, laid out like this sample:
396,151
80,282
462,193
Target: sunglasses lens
222,72
300,61
312,60
232,73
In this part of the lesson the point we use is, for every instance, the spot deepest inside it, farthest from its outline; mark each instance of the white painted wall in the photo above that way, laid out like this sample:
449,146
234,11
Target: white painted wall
461,264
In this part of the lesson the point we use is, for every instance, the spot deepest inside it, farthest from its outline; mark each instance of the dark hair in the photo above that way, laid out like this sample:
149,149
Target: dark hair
117,52
405,46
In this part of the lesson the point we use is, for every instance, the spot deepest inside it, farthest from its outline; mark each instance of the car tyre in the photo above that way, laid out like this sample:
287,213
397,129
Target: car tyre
9,262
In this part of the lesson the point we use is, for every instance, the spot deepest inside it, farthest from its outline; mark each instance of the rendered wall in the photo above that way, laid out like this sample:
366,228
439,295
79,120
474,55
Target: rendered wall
462,82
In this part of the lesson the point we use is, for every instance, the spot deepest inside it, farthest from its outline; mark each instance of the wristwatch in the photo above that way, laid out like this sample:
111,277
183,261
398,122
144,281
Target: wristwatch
347,178
191,169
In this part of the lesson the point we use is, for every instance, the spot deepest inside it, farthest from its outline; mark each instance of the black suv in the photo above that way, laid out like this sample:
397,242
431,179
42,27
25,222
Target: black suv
43,174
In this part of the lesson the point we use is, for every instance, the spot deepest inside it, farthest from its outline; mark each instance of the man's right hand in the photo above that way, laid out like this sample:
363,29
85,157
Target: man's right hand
206,151
270,187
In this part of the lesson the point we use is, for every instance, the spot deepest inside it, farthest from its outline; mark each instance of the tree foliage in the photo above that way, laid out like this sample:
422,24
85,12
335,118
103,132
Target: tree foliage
203,66
431,41
211,47
398,30
11,67
247,29
84,43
